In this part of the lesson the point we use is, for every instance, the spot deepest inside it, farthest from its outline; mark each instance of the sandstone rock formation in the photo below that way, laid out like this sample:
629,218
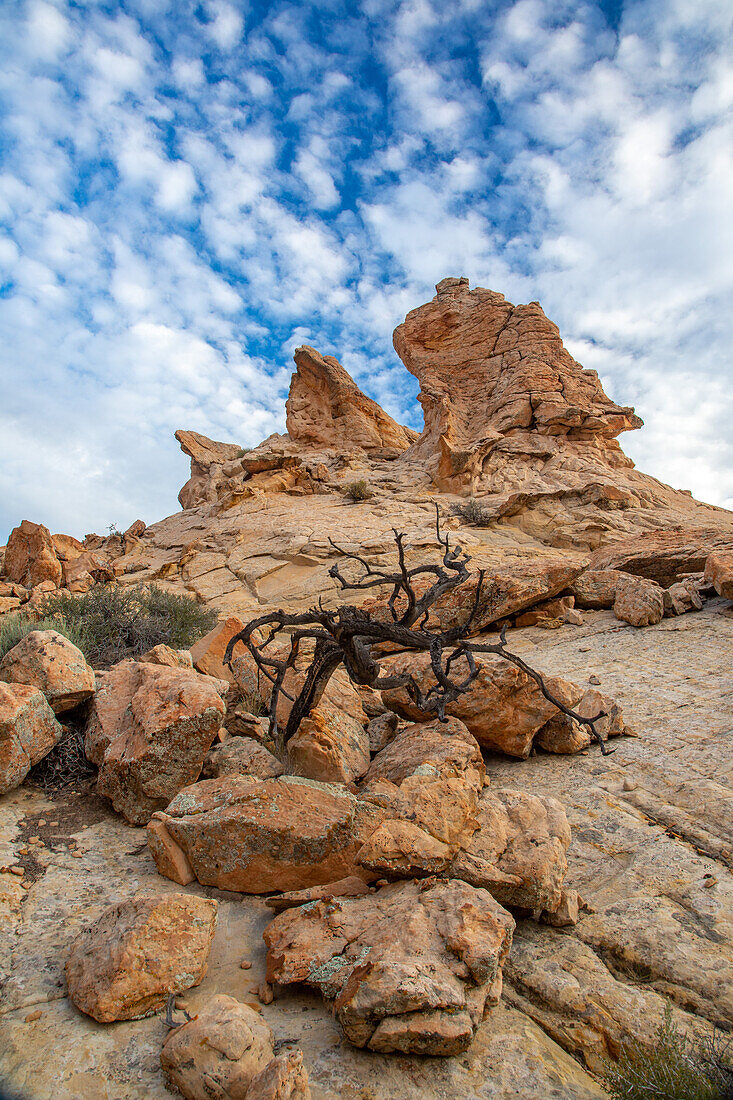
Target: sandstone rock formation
131,958
239,833
219,1053
207,459
638,601
49,661
28,731
410,968
663,556
330,746
30,556
149,729
241,756
326,410
719,572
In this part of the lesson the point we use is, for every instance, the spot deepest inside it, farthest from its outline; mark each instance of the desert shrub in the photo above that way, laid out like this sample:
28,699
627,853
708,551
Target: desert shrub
675,1068
476,513
13,628
110,622
359,490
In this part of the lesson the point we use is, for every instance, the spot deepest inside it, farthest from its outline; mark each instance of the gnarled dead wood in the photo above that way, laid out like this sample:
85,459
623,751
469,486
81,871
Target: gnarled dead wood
358,639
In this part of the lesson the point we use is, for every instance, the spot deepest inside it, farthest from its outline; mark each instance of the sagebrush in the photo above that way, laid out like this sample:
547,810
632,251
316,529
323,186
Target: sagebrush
359,490
674,1068
473,511
109,623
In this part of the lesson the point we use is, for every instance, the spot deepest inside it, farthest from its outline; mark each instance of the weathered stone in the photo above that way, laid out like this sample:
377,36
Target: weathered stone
240,833
164,655
662,556
381,730
208,652
329,746
638,601
719,572
149,730
681,597
550,613
207,459
134,955
595,589
409,968
326,409
349,887
28,731
219,1053
30,557
504,708
284,1078
241,756
518,852
49,661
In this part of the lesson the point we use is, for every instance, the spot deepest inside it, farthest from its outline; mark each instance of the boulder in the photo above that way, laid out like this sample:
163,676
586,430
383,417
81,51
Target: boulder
28,731
82,571
128,962
163,655
638,601
330,746
595,589
207,460
241,756
681,597
219,1052
562,734
409,968
518,852
284,1078
504,708
149,729
259,836
719,572
208,652
49,661
30,557
427,782
551,614
381,730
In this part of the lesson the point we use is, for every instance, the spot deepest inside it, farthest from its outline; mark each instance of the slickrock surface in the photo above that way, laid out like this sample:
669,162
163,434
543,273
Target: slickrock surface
47,660
409,968
133,956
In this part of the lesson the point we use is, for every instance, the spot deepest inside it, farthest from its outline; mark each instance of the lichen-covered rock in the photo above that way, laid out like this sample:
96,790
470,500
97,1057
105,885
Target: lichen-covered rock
284,1078
126,963
504,708
681,597
518,852
638,601
241,756
329,746
409,968
381,730
163,655
28,731
240,833
719,572
219,1053
49,661
30,557
149,730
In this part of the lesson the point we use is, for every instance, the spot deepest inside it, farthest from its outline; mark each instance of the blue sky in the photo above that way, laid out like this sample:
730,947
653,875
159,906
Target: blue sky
190,190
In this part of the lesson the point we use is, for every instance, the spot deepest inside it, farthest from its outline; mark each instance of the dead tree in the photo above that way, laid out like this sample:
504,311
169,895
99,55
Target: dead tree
359,639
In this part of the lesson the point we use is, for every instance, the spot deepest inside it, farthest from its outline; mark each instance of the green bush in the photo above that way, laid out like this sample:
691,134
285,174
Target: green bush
675,1068
109,622
359,490
13,628
476,513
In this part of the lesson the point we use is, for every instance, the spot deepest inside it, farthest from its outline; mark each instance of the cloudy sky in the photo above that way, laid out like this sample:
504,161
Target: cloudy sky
190,190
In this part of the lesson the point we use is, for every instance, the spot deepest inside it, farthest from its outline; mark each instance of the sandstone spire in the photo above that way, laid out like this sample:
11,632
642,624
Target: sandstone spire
487,370
327,410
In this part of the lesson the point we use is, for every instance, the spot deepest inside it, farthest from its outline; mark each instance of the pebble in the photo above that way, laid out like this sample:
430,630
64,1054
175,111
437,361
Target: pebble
33,1016
265,993
245,964
630,784
77,855
42,821
594,679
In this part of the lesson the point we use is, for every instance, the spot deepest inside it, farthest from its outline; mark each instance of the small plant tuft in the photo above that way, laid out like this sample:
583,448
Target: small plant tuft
357,491
675,1068
476,513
